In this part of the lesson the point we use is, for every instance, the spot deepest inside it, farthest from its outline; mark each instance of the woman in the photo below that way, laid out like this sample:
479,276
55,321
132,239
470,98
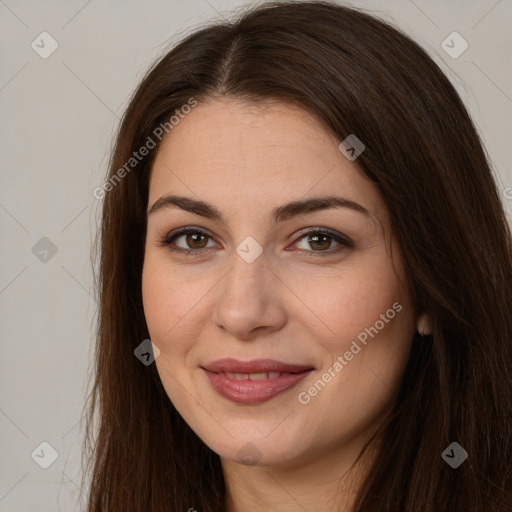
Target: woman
374,376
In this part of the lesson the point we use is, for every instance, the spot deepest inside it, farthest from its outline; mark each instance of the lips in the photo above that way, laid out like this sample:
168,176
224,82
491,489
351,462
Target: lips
254,367
253,382
253,376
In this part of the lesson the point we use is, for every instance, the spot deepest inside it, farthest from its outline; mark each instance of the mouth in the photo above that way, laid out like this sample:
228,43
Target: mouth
254,382
254,367
254,376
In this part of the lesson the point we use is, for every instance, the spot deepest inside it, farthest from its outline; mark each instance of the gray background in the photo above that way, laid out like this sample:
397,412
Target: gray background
58,118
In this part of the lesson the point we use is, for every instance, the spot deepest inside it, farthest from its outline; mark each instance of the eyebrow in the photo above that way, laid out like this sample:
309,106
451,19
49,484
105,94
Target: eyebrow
278,214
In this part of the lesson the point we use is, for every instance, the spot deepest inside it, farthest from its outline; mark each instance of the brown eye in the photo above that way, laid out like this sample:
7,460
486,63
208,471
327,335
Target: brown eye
187,241
318,242
195,240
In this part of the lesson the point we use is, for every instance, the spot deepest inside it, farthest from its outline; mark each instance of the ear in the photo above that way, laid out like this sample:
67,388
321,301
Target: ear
424,324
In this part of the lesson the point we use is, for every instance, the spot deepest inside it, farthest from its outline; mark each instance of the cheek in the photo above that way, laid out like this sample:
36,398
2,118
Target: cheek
170,303
177,306
171,308
366,320
343,305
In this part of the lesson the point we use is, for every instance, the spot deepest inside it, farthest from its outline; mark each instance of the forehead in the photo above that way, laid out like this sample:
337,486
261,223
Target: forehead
240,154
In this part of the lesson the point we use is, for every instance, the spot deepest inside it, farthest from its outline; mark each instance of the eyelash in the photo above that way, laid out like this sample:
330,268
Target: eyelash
343,241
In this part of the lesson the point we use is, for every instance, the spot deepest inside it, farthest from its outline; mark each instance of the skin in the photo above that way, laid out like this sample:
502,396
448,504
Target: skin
246,159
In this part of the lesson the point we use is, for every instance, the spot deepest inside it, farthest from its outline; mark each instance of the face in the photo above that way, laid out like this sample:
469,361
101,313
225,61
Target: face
305,301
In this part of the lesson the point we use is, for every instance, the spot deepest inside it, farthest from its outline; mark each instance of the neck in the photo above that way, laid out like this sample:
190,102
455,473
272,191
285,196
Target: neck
329,481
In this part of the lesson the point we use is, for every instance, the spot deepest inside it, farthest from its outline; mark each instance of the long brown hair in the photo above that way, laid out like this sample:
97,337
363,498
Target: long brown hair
359,76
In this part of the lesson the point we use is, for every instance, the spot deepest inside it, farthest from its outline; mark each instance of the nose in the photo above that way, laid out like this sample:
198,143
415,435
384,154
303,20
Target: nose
250,300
